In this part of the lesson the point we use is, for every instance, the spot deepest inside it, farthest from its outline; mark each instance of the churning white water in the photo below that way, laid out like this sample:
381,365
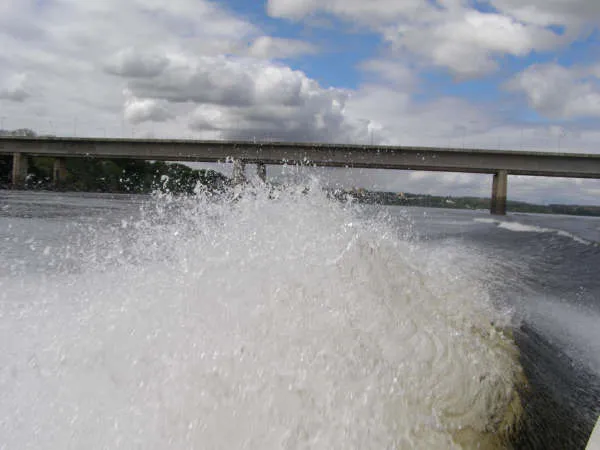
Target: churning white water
278,319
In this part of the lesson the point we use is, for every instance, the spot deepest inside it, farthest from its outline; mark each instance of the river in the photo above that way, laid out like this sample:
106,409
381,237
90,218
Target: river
285,319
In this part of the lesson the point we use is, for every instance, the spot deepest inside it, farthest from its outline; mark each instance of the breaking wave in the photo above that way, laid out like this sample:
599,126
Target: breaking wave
278,318
523,228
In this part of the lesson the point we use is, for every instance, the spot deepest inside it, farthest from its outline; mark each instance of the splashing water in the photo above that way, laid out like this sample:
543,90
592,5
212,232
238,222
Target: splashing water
278,319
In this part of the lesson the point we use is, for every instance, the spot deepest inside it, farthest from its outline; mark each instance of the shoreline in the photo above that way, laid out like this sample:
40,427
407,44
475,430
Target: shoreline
375,198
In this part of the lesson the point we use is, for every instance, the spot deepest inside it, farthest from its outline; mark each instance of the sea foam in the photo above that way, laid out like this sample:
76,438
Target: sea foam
262,319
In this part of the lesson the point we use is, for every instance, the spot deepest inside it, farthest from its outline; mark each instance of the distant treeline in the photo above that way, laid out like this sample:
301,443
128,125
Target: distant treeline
432,201
112,175
115,175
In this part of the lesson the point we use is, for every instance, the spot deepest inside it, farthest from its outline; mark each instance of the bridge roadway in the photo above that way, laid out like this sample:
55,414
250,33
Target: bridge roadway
499,163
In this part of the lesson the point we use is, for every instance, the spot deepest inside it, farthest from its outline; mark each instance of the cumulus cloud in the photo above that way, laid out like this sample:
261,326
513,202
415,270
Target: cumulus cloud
443,122
573,14
185,65
73,50
14,89
194,69
136,63
559,92
219,80
468,44
228,81
240,97
146,110
267,47
320,121
453,35
372,12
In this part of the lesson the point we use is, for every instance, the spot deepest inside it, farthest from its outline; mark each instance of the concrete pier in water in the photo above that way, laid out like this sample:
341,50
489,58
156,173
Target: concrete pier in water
239,172
59,171
261,171
499,191
19,169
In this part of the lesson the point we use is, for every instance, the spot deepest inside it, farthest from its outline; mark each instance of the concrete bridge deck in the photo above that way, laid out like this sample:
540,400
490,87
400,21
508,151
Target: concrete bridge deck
499,163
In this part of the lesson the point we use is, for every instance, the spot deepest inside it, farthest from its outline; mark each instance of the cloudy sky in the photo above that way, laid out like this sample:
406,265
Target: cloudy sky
466,73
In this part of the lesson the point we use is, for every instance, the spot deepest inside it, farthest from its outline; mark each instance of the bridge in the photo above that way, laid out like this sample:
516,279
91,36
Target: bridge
500,164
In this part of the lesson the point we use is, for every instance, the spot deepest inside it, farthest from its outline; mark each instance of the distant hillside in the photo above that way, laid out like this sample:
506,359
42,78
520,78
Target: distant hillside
432,201
114,175
24,132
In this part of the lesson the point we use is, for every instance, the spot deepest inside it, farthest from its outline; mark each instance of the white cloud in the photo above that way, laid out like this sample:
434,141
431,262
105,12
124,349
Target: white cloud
267,47
390,71
453,35
573,14
441,122
136,63
468,44
240,97
191,68
559,92
372,12
146,110
72,50
14,88
226,81
291,9
177,63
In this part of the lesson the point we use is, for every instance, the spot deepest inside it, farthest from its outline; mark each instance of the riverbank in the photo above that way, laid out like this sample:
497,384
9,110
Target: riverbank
115,176
142,177
472,203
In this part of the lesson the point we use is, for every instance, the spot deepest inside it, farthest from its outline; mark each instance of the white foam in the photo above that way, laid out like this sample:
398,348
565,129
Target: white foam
485,220
524,228
574,326
574,237
279,320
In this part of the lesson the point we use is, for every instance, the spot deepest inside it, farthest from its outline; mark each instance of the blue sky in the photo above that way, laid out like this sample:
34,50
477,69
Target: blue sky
486,73
343,46
341,49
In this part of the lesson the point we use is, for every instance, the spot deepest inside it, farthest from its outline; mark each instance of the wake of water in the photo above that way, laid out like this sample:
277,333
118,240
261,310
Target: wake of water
274,319
523,228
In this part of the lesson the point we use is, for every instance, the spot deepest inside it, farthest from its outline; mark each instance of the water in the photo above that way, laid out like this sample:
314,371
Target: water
283,319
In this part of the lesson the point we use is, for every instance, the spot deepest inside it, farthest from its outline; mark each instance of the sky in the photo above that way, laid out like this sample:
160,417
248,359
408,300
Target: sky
507,74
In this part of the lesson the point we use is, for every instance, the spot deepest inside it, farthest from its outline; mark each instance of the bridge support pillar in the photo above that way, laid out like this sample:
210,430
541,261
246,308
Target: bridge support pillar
59,172
19,170
239,167
261,171
499,190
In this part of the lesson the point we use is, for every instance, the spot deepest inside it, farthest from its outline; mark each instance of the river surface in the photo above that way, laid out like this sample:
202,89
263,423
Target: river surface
285,319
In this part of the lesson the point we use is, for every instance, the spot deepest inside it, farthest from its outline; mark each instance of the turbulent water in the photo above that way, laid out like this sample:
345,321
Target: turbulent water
281,318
